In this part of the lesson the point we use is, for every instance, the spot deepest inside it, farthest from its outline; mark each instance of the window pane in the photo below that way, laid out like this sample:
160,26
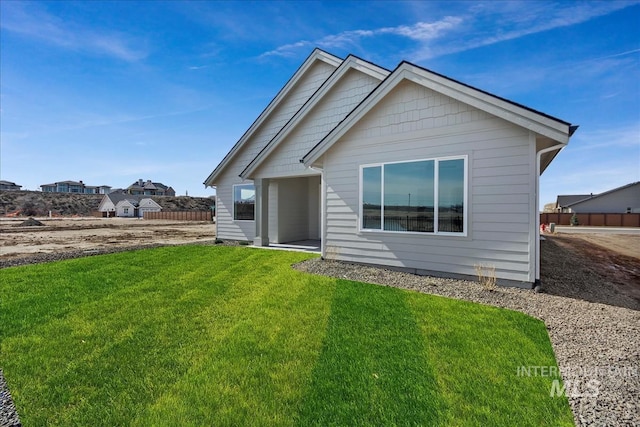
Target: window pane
451,196
244,201
408,196
371,197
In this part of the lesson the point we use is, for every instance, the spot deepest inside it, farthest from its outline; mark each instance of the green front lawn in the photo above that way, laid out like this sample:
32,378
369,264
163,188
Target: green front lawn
199,335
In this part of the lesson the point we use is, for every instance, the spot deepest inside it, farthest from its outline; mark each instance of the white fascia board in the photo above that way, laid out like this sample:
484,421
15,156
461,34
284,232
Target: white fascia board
350,63
316,55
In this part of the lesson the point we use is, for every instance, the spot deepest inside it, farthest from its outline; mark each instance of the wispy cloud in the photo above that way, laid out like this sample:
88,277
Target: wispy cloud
421,32
481,25
519,20
32,21
617,138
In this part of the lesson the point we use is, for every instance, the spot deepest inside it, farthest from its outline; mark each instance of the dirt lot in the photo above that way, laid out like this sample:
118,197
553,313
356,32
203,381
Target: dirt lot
96,234
595,267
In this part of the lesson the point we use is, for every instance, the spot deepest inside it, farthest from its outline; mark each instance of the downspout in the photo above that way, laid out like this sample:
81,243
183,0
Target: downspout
537,207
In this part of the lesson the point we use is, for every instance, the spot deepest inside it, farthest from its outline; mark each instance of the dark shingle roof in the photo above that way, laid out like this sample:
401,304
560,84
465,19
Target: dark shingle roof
566,200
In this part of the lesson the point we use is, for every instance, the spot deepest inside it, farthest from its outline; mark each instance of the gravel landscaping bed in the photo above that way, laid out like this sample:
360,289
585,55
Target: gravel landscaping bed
8,415
592,341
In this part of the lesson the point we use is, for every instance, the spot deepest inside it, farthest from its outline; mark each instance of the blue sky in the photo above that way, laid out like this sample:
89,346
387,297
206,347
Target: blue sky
109,92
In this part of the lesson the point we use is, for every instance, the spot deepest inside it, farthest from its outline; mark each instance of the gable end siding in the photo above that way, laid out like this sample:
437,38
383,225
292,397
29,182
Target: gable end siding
304,89
413,122
343,97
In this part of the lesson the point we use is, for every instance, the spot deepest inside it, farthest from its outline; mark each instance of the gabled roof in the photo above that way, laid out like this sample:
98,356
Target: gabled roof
149,201
540,123
595,196
569,199
130,201
316,55
350,63
116,197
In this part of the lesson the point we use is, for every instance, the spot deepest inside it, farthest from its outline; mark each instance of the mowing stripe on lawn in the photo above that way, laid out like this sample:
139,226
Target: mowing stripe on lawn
476,351
372,370
254,370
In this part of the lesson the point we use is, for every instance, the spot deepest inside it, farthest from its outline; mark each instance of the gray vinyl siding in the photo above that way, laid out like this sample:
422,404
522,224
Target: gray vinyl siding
353,87
301,92
413,123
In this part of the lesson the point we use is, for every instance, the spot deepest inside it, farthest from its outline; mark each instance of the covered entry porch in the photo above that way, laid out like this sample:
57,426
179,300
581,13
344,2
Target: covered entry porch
288,211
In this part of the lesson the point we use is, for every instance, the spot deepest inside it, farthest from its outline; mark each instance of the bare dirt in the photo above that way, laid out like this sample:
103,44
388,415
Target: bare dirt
596,267
96,234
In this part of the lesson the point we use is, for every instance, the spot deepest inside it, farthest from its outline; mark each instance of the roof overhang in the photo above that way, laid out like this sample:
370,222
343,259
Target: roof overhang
316,55
350,63
541,124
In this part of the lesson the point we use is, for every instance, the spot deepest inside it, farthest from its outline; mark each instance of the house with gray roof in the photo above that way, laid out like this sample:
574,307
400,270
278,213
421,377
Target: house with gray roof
121,204
76,187
149,188
624,199
408,169
9,186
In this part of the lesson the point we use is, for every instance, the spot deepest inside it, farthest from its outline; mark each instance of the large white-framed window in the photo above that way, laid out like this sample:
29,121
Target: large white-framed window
417,196
244,202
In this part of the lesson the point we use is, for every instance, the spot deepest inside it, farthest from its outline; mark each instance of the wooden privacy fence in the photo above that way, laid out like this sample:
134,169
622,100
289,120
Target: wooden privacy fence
181,215
593,219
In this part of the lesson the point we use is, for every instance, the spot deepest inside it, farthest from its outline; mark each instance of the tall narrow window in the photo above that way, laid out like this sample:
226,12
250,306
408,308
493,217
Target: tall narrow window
244,202
425,196
372,197
451,196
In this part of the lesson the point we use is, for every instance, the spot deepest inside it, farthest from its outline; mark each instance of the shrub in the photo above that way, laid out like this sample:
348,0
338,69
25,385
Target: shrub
574,220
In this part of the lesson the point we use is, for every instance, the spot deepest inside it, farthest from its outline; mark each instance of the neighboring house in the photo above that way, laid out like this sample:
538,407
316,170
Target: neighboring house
407,169
9,186
563,202
126,205
148,188
625,199
78,187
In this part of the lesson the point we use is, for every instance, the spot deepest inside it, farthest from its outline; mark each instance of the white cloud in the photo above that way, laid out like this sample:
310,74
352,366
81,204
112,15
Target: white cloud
518,20
424,31
482,25
31,21
421,32
615,138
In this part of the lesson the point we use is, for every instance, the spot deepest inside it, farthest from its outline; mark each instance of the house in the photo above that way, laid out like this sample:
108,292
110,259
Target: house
624,199
9,186
77,187
563,202
406,168
148,188
121,204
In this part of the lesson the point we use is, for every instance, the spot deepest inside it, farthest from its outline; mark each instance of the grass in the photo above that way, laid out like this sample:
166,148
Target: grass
234,336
